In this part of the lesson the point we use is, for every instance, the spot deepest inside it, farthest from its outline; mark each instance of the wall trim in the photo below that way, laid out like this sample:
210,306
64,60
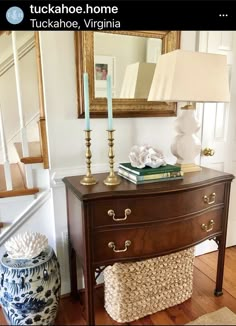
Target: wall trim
25,215
56,175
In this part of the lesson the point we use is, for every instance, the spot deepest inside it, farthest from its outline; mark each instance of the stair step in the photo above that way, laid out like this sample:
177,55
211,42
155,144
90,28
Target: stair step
35,155
19,188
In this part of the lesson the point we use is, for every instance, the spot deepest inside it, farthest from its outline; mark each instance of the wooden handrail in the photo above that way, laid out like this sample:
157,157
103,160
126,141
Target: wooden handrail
42,120
40,77
3,32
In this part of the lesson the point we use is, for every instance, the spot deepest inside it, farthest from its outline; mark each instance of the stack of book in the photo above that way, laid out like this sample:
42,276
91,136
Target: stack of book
147,175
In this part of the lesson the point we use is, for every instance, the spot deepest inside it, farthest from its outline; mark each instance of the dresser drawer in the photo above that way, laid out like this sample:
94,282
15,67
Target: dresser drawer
154,239
111,212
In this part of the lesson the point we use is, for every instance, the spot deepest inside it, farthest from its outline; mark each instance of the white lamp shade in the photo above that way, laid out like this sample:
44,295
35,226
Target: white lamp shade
185,76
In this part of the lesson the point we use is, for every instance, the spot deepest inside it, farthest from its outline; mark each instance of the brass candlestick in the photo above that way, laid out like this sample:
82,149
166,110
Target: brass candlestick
112,179
88,179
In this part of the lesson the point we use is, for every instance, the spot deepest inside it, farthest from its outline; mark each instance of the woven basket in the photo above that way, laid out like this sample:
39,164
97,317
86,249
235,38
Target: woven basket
135,290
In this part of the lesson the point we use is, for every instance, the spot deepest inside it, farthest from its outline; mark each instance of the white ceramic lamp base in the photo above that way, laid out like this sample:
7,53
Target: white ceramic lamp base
186,146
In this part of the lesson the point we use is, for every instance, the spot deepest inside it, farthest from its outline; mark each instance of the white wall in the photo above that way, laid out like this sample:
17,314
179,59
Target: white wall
65,131
40,220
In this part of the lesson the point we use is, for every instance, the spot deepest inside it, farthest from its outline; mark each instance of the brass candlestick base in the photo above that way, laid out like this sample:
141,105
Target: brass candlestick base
112,179
88,179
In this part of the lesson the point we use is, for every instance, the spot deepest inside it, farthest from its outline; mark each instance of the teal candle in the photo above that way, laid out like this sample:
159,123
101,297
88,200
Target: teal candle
86,102
109,102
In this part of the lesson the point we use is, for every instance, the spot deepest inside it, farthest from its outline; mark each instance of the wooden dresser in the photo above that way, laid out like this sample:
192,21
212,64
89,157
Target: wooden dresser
109,224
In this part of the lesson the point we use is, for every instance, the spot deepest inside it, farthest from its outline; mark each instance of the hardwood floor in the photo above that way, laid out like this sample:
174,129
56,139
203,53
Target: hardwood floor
201,302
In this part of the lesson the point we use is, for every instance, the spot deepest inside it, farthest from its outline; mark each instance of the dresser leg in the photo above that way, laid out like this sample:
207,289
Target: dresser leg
220,268
218,293
73,274
89,278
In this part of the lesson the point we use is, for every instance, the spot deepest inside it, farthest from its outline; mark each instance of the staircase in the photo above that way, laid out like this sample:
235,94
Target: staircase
21,188
35,155
18,183
17,172
20,203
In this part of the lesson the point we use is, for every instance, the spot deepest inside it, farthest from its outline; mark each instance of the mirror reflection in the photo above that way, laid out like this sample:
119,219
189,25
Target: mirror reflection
130,60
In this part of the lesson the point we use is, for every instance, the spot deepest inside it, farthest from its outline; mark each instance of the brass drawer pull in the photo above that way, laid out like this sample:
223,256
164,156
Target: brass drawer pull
208,227
112,213
113,246
210,199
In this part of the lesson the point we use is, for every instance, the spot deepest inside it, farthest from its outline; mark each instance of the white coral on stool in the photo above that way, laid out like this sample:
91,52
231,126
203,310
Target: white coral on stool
26,246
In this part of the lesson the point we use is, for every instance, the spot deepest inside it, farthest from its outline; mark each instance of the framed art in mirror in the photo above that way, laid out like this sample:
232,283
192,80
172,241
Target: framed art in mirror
103,65
130,58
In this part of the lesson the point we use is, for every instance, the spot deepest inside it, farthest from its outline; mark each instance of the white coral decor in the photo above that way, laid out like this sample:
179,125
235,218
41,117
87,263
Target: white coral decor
145,155
26,246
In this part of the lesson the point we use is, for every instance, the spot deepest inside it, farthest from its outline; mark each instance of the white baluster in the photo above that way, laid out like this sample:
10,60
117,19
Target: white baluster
6,164
25,146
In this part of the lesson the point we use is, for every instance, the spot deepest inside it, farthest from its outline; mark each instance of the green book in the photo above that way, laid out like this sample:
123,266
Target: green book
154,176
150,181
147,170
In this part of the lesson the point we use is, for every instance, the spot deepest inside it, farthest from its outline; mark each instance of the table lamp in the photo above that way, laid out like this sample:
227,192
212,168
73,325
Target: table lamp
185,76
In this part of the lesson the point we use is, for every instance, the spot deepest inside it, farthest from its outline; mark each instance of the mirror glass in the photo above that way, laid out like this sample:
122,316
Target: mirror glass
130,58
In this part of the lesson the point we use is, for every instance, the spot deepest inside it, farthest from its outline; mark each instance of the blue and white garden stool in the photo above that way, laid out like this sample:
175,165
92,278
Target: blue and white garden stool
30,289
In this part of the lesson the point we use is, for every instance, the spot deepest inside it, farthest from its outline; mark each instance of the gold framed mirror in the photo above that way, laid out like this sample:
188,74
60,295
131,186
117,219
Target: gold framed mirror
109,52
